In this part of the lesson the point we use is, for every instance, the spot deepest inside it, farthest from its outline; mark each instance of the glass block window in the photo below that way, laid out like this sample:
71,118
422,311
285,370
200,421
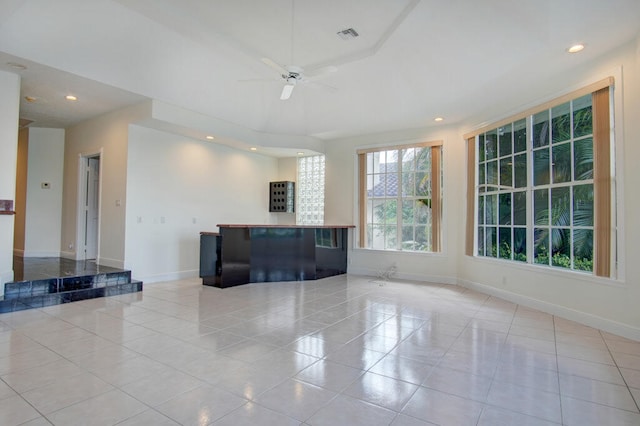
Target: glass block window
310,200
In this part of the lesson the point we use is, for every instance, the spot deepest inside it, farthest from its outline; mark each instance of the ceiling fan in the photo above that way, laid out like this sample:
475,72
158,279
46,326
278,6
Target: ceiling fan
293,74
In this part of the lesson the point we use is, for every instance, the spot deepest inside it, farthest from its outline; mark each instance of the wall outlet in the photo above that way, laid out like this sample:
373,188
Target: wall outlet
45,185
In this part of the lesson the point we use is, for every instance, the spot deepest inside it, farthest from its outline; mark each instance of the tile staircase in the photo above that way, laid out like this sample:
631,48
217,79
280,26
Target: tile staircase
37,288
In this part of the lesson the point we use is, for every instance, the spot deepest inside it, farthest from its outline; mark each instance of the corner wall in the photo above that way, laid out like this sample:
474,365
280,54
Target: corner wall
9,114
20,203
105,135
44,204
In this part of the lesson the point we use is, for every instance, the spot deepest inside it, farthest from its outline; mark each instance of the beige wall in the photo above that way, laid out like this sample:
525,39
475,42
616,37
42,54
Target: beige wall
21,192
44,205
9,113
106,135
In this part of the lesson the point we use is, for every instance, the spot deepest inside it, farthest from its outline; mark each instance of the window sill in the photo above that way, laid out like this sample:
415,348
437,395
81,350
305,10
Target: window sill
402,252
550,271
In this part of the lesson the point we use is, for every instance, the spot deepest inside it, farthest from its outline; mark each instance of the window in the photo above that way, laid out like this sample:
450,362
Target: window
400,197
310,208
543,192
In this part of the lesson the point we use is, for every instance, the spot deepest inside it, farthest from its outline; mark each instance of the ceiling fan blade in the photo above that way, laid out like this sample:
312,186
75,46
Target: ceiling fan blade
287,90
268,62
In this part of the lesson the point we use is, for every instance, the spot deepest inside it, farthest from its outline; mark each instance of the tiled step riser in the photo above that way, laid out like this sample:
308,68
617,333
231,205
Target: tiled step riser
22,289
41,301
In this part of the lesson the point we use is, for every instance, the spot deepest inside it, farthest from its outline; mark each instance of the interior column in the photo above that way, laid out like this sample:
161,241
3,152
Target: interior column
9,114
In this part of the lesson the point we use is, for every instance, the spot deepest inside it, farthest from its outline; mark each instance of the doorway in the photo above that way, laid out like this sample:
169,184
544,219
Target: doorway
89,211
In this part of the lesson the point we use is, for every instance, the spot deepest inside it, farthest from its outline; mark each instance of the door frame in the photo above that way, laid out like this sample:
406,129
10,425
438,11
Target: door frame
80,253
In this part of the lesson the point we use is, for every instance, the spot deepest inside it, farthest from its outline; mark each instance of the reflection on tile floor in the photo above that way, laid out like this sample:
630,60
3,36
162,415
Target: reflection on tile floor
340,351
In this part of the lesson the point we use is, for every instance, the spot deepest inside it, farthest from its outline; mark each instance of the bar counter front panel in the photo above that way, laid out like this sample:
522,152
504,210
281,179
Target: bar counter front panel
242,254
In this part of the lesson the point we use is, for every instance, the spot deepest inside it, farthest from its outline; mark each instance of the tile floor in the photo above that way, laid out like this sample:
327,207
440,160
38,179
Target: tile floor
340,351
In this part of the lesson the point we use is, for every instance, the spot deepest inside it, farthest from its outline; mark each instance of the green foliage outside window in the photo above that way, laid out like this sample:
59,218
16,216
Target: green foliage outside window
399,199
559,159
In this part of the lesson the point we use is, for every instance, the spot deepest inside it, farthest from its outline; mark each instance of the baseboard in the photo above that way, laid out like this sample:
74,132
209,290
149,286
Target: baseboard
68,255
591,320
405,276
114,263
170,276
40,254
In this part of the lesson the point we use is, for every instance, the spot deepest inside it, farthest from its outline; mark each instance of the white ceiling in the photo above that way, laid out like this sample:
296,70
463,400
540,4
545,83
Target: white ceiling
465,60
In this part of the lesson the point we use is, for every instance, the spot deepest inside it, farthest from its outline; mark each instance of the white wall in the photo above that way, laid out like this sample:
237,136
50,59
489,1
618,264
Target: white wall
178,187
44,205
9,107
609,304
105,135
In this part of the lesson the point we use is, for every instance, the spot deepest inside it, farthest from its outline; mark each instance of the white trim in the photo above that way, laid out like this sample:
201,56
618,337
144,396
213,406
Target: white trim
617,135
114,263
421,278
554,271
68,255
170,276
558,310
617,207
81,187
40,253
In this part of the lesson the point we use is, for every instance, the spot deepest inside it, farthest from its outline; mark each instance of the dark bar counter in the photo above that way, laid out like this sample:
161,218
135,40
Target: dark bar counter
242,254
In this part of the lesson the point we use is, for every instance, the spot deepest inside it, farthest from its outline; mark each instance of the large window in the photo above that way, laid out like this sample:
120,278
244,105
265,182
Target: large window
310,199
400,197
544,185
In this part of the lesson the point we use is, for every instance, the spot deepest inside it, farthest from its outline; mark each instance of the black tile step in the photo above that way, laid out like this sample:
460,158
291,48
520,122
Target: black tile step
39,287
57,298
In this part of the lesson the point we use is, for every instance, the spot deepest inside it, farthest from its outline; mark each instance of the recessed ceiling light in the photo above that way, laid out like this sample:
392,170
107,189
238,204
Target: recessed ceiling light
301,153
438,119
575,48
253,148
210,138
71,98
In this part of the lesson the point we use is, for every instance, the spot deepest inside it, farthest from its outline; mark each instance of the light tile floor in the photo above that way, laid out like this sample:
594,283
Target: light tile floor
345,350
